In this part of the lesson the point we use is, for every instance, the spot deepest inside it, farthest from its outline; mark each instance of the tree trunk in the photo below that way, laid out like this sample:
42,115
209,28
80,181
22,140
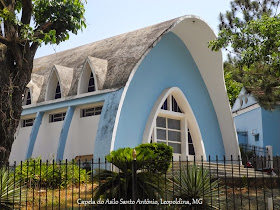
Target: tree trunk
15,74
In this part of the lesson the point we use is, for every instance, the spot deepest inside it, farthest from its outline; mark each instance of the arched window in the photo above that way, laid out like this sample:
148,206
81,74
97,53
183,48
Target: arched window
91,83
57,91
27,97
54,90
87,82
169,125
172,122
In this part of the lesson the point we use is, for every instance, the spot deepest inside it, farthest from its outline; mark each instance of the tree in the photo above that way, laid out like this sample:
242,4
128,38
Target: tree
26,24
233,87
250,32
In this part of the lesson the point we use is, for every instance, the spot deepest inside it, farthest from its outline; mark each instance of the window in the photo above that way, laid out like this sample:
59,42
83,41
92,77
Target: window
57,117
169,132
91,111
164,105
171,104
57,91
190,144
91,84
28,97
257,137
175,107
171,128
28,122
173,123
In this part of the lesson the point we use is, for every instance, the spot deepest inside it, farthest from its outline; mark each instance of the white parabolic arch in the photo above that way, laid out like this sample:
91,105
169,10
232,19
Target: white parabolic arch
195,34
186,109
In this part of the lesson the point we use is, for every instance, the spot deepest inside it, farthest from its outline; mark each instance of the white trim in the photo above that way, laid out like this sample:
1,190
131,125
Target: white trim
195,34
84,71
247,109
188,114
84,95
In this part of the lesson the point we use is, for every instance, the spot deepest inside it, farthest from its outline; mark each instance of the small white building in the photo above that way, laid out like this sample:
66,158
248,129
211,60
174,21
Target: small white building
157,84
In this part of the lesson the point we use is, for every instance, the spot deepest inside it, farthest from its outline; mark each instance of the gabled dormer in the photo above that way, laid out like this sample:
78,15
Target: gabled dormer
59,82
92,75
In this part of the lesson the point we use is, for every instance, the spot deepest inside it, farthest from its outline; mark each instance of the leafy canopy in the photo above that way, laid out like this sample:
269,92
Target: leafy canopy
233,87
43,21
251,32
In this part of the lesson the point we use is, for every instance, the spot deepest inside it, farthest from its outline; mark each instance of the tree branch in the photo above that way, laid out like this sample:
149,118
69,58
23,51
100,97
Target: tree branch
3,5
26,11
33,49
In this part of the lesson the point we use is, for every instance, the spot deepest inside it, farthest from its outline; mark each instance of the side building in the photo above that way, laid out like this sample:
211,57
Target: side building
256,126
157,84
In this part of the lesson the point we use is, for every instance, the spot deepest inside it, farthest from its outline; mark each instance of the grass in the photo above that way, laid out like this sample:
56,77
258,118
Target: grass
58,198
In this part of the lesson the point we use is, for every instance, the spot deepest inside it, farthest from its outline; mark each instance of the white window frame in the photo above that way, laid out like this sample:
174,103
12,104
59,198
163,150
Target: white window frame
188,121
25,124
62,117
94,111
183,127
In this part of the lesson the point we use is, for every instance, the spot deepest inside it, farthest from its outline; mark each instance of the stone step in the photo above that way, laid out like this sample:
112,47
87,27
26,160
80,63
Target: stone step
228,170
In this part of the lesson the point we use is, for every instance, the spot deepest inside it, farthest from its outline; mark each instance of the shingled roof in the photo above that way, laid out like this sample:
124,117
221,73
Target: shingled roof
121,52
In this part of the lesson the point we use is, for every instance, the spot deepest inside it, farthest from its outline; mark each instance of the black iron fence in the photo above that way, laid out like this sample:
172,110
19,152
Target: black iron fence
184,184
253,150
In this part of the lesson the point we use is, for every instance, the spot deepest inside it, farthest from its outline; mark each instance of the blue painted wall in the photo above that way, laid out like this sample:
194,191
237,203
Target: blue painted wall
106,125
169,64
34,134
249,121
64,133
271,129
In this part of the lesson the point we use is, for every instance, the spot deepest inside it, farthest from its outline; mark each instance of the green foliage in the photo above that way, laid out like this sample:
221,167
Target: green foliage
119,184
65,15
162,155
9,190
155,157
194,182
53,20
250,33
34,172
233,87
148,170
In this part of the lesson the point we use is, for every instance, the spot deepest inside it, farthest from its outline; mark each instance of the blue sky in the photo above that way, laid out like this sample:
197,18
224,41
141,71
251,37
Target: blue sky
107,18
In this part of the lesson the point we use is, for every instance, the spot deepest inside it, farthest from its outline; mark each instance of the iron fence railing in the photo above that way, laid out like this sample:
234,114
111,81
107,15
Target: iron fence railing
255,150
137,184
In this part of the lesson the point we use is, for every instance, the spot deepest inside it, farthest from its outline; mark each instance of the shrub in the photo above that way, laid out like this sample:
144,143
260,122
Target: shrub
35,172
194,182
148,161
153,157
162,156
10,190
